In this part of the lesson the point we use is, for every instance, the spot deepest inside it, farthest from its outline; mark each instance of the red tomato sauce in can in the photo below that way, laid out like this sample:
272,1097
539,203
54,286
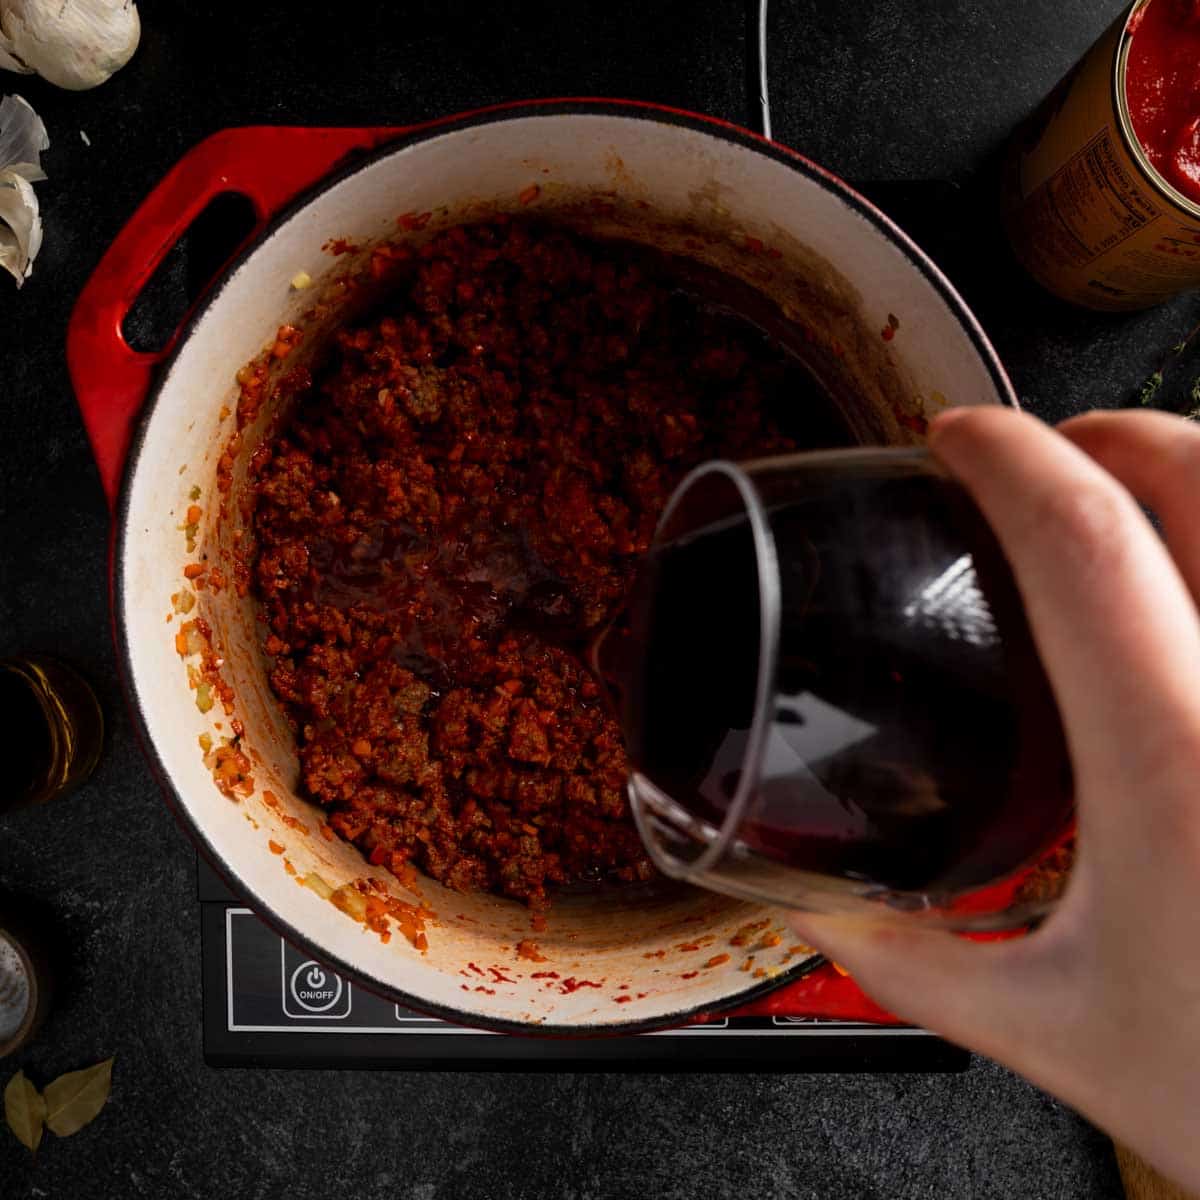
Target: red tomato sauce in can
1162,85
1101,193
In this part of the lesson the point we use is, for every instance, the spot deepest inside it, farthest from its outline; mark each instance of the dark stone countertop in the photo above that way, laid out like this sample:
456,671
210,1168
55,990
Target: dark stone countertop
878,90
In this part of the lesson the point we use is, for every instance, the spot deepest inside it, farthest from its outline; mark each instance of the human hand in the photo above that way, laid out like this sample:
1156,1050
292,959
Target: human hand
1101,1004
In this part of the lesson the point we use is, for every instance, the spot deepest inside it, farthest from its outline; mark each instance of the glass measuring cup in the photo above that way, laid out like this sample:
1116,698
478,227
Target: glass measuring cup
831,696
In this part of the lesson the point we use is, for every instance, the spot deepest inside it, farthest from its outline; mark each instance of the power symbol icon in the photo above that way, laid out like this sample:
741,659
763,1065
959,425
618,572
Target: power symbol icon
315,989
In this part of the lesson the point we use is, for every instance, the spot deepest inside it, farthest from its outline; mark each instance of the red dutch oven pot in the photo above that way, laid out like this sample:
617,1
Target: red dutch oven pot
832,267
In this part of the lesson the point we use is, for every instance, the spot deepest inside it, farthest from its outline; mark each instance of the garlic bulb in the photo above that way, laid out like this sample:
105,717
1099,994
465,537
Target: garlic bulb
75,44
22,140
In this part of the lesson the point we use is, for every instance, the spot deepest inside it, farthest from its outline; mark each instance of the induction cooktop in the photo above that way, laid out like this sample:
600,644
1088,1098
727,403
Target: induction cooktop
268,1004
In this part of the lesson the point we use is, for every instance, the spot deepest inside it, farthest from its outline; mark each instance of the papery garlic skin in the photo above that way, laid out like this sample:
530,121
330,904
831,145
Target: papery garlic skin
8,63
75,44
22,139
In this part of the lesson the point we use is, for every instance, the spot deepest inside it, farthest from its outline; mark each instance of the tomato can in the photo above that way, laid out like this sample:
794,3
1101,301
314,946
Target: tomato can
1088,214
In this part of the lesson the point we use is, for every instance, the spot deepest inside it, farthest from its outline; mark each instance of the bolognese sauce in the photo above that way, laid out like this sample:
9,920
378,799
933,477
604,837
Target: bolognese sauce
454,508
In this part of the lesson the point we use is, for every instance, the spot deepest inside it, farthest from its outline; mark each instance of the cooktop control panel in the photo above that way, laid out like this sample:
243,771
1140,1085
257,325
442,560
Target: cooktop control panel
267,1003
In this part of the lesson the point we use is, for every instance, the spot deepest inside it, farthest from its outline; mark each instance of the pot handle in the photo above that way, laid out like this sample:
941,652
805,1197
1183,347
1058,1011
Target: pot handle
826,992
269,165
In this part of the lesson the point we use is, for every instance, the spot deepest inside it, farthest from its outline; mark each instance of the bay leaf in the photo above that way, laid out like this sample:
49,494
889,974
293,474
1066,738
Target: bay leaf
25,1111
75,1098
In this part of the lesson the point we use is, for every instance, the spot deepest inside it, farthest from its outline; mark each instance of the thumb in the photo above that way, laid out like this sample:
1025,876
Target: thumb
967,991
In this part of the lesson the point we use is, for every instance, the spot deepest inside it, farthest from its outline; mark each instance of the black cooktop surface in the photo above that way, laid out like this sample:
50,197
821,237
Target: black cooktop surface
266,1003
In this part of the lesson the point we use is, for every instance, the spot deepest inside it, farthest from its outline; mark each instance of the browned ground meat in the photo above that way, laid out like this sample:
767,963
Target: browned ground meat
454,508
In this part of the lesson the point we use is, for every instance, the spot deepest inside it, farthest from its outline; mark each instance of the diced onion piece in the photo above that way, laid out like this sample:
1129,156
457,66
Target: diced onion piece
315,883
351,901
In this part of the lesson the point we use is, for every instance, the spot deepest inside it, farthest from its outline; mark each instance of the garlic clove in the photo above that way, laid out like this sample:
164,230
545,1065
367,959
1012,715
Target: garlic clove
11,255
23,137
76,44
20,225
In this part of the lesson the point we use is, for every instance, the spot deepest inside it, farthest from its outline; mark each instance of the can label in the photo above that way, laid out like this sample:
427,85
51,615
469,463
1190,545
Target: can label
1086,214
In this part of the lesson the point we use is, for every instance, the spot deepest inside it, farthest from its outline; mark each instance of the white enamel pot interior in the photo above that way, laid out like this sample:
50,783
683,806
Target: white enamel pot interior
827,264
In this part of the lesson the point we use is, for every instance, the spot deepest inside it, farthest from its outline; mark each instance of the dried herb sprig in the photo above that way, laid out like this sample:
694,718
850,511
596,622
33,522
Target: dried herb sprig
1150,390
1193,412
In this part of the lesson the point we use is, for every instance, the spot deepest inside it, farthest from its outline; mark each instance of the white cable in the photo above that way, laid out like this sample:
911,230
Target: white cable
764,100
